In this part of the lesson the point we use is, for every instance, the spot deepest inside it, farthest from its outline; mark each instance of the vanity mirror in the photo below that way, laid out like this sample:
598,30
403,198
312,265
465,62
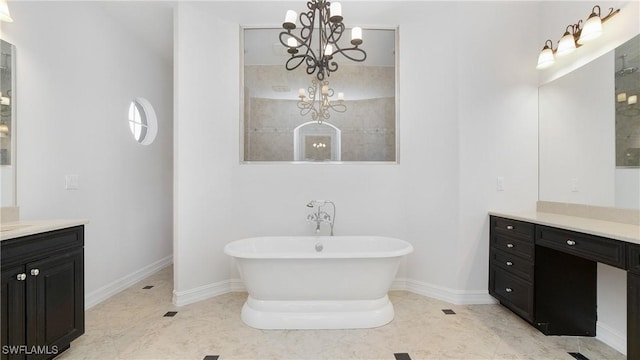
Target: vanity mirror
589,140
7,123
276,124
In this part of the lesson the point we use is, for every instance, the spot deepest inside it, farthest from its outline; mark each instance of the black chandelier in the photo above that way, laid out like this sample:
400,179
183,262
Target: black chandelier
327,34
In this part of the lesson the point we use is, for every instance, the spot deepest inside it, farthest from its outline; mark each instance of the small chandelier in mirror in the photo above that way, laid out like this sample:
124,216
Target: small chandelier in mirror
322,27
319,104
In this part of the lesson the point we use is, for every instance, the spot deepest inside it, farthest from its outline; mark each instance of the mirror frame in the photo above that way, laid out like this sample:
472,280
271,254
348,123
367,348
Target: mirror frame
241,111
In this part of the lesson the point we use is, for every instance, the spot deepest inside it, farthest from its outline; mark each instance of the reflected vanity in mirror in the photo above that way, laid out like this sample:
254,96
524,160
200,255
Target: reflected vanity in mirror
589,140
8,124
277,125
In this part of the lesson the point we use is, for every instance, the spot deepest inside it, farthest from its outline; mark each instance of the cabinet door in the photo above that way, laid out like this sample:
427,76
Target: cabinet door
633,316
55,301
13,313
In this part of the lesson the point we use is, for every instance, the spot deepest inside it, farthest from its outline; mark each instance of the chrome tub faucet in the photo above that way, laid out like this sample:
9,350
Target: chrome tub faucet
320,215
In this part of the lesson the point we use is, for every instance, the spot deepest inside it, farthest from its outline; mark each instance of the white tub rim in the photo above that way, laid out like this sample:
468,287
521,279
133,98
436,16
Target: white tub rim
231,248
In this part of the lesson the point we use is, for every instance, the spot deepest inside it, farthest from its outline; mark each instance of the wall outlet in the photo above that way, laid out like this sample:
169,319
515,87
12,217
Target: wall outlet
574,185
71,182
500,183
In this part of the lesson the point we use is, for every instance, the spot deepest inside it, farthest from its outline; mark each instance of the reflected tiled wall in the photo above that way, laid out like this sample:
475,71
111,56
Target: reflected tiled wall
368,129
368,126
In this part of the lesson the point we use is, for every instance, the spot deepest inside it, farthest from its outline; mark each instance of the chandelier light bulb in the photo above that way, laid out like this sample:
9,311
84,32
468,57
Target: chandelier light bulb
356,36
340,96
292,42
290,20
328,50
335,12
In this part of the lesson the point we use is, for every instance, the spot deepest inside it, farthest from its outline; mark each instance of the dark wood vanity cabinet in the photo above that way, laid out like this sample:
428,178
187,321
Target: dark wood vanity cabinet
511,271
42,293
548,276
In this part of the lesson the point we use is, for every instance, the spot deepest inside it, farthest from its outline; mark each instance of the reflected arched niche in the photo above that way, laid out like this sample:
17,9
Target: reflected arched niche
313,141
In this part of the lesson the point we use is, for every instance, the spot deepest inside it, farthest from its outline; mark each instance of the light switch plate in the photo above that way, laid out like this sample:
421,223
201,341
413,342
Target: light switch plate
500,183
71,182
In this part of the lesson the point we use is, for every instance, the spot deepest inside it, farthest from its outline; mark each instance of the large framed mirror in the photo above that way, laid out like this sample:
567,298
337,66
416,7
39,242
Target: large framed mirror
589,139
8,123
277,126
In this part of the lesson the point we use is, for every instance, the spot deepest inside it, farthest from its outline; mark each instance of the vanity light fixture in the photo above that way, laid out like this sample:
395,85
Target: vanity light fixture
327,34
4,12
574,36
319,108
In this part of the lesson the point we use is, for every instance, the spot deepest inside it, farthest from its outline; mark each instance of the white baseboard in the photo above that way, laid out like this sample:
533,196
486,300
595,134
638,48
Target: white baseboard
456,297
181,298
95,297
611,337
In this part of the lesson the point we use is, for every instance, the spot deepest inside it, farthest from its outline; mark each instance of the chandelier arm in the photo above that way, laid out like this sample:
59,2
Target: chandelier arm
346,53
335,33
338,107
295,61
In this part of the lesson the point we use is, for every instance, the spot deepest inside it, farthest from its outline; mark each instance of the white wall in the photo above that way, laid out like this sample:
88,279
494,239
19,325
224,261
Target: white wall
467,115
78,69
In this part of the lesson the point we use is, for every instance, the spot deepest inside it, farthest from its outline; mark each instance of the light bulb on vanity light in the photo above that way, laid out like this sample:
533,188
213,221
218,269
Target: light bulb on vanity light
632,100
546,57
592,28
567,43
622,97
4,12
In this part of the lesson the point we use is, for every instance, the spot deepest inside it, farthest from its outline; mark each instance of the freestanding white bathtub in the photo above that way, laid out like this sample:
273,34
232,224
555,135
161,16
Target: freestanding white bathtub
291,285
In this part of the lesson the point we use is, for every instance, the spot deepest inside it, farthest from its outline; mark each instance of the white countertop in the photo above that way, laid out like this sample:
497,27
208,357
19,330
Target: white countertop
613,230
16,229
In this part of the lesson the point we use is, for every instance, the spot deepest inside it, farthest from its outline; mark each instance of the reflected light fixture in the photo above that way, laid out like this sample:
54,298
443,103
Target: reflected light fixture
318,104
622,97
4,12
633,99
574,36
322,26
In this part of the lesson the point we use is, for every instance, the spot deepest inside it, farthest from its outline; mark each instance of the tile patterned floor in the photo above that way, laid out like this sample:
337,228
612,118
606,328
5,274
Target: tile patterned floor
131,325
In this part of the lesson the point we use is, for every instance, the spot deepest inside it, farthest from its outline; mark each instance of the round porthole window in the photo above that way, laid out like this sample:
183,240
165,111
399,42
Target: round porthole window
142,121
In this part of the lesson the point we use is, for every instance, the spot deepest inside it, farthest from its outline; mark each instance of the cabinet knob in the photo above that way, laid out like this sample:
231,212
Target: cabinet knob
509,263
571,242
509,227
21,277
35,272
509,245
508,290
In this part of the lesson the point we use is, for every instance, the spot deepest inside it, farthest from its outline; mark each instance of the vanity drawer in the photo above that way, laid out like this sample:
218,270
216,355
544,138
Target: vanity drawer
513,227
512,246
513,264
633,255
590,247
513,292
